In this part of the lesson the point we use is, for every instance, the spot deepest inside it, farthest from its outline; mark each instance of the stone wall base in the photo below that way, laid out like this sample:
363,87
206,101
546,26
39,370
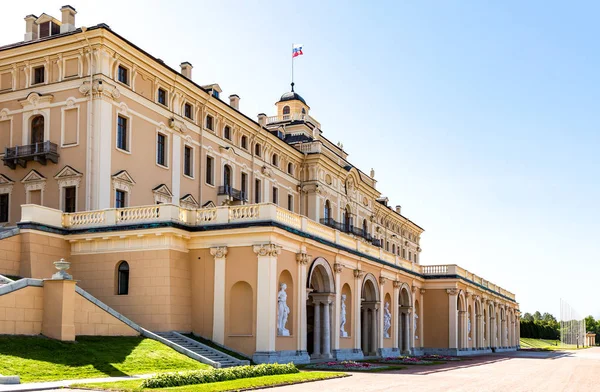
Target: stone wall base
417,351
8,380
346,354
287,356
504,349
388,352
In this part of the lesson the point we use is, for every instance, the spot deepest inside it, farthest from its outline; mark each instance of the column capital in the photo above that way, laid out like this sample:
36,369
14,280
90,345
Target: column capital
422,291
303,258
218,252
468,294
382,280
414,289
358,274
452,291
462,311
337,267
397,284
269,250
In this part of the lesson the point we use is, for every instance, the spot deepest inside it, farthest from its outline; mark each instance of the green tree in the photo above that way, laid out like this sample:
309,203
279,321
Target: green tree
591,325
527,317
537,316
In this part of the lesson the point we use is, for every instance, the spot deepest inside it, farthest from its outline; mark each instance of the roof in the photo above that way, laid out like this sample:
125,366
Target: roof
292,96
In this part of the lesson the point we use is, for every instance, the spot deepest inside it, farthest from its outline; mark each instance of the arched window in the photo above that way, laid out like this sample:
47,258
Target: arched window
286,112
244,142
257,149
327,211
290,169
347,218
123,278
227,176
365,227
303,111
275,160
37,130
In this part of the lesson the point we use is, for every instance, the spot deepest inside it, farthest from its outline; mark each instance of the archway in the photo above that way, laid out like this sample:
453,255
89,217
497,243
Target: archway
404,319
319,309
369,315
37,130
462,321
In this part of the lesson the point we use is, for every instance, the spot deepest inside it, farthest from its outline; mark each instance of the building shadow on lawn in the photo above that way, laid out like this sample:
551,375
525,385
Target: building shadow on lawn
99,352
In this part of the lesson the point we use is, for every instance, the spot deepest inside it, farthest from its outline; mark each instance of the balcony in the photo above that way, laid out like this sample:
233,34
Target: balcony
292,117
350,229
234,194
38,152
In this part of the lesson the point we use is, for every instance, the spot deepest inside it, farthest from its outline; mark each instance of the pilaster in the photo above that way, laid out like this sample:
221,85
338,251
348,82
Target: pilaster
302,260
452,318
396,315
266,310
218,333
358,275
337,267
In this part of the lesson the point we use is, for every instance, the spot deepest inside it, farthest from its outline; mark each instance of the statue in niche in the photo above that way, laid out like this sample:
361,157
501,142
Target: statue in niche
343,333
416,322
469,325
387,320
282,311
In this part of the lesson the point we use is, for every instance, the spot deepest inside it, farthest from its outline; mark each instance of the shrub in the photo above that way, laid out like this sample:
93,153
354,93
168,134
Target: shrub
215,375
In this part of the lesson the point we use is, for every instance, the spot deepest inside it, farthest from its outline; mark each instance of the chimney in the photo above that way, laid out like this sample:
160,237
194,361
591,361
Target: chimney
68,19
399,209
186,69
31,31
234,101
262,119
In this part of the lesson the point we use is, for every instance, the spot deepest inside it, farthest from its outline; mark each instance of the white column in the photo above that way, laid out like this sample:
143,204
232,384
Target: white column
99,177
338,306
266,292
380,313
358,274
421,319
218,332
407,330
452,318
326,330
396,315
317,330
176,172
374,330
301,330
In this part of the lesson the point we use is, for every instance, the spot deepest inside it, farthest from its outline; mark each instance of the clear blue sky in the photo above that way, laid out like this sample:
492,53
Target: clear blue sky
480,119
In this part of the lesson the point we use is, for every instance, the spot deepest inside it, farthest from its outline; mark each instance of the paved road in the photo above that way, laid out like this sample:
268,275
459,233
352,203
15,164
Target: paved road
510,372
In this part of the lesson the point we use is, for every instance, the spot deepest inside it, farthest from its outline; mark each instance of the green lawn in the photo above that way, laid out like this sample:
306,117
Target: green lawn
41,359
545,344
234,385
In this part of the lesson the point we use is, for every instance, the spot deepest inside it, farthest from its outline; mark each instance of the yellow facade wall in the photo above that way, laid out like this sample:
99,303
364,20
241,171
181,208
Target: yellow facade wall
22,311
435,309
90,320
10,255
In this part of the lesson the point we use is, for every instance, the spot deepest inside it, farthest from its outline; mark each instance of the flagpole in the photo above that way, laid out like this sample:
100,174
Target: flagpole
292,67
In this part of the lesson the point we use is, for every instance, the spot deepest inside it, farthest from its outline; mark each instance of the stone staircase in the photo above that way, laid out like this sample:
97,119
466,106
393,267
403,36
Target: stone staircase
4,281
199,351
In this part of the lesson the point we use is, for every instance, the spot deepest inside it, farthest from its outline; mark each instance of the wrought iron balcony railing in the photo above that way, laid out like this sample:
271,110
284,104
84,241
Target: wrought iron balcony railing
38,152
235,194
350,229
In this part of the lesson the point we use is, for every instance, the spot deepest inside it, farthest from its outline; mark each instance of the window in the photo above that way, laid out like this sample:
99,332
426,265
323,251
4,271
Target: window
387,246
275,160
37,129
415,258
187,161
244,186
123,75
209,122
227,132
257,191
123,278
122,140
4,207
187,111
286,112
257,149
303,111
394,248
39,75
327,211
120,199
290,169
161,149
409,256
227,176
70,198
210,179
275,195
244,142
403,253
291,203
162,96
365,227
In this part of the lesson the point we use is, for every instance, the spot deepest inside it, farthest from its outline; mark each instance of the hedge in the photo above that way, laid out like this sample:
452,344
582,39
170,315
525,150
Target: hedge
531,329
215,375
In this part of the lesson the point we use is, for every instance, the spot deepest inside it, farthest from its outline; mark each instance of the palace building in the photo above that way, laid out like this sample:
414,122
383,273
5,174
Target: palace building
180,213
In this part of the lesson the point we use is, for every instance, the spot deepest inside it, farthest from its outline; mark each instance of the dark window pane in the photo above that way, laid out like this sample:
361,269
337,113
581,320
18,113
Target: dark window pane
44,29
123,76
120,199
160,149
38,75
188,110
122,133
257,191
209,122
70,197
4,207
187,161
123,279
209,171
162,96
37,130
227,133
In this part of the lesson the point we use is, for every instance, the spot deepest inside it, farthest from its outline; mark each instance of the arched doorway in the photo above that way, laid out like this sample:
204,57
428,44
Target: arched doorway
462,321
404,320
369,315
37,130
227,177
319,309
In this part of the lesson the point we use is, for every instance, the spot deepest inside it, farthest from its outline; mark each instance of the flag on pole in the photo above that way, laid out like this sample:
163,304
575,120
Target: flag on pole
297,50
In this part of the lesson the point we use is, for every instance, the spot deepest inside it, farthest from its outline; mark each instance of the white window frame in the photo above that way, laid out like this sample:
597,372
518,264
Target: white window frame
214,122
167,146
32,74
193,156
10,130
122,185
193,113
63,65
273,193
62,126
160,87
129,74
214,163
129,131
290,197
7,188
66,182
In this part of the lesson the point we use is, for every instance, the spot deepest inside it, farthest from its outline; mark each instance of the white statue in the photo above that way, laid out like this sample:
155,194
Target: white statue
282,311
343,333
469,324
416,321
387,320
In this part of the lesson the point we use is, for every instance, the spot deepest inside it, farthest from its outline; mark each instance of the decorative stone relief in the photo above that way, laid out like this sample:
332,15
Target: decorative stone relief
337,267
358,274
343,332
397,284
270,250
282,311
415,323
387,320
452,291
469,324
382,280
219,252
303,258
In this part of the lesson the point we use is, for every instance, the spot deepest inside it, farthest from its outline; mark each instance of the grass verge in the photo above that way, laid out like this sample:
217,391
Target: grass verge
36,358
547,345
233,385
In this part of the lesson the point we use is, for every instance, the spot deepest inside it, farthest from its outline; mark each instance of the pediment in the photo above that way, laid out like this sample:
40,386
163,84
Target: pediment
209,204
163,190
5,180
67,172
190,200
34,99
47,18
123,176
33,176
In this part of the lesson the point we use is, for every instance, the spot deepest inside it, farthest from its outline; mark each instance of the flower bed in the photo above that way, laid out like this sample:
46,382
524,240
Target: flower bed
437,357
404,360
346,365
